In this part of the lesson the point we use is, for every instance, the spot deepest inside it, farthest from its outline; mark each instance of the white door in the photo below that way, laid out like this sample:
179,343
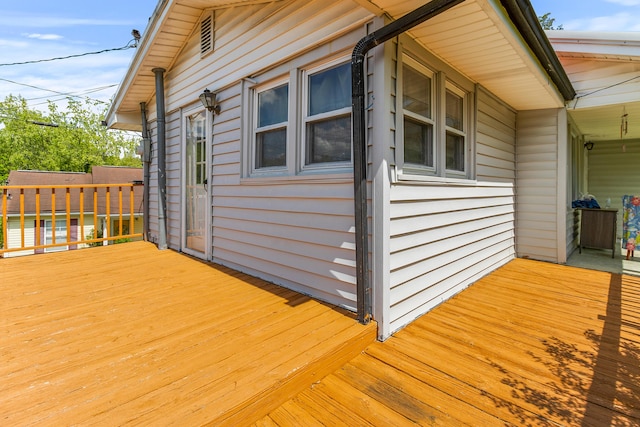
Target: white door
196,201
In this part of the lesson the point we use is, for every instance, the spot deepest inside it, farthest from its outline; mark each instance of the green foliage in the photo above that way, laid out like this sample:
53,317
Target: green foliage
28,142
547,22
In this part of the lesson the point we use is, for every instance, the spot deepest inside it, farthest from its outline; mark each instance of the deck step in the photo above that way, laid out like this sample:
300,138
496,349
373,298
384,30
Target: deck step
299,373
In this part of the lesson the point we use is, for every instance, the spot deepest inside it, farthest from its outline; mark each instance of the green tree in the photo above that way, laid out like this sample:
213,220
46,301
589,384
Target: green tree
547,22
72,139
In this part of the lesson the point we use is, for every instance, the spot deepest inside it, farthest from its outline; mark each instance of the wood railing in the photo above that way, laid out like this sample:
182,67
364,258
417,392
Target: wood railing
40,217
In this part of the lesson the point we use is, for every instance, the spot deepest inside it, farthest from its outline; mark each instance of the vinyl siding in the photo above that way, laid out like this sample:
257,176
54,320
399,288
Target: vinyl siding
14,236
613,173
295,231
537,188
446,236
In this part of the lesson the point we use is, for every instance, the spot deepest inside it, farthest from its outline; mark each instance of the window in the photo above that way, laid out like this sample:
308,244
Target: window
299,120
328,116
434,116
272,116
59,231
455,130
417,102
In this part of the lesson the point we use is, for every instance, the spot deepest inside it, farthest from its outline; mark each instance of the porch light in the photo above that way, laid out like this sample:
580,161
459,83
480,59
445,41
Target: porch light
208,99
588,145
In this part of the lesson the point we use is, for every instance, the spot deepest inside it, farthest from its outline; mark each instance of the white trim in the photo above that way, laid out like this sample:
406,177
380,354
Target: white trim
441,83
185,114
449,86
253,129
305,118
381,178
407,60
562,205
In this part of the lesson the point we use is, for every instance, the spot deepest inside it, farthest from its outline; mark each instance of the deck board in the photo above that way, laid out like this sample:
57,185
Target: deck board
533,344
127,334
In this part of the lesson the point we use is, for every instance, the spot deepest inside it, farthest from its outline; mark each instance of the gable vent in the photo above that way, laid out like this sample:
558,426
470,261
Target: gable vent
206,35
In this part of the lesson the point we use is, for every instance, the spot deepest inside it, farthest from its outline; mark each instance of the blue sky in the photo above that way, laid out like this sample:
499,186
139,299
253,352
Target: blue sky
33,30
592,15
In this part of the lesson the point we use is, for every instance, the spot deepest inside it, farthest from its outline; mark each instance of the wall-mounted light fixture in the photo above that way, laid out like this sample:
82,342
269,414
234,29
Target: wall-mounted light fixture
208,99
588,145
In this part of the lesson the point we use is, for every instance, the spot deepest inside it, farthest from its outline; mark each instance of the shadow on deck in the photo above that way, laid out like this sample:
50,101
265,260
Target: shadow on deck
127,334
531,344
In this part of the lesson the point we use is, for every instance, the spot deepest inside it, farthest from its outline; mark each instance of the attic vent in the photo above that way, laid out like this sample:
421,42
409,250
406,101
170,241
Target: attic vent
206,35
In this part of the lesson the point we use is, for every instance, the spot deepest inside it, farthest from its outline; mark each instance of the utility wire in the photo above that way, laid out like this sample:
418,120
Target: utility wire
74,94
132,44
64,94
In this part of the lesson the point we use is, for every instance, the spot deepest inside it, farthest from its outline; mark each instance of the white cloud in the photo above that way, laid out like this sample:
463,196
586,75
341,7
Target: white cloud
13,43
12,19
625,2
43,36
617,22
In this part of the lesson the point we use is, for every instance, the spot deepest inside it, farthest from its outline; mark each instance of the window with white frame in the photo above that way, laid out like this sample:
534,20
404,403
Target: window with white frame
417,109
327,119
270,134
57,232
455,129
301,123
435,123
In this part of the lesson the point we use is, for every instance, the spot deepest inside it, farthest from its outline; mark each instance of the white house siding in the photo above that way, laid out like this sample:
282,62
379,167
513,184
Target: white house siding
153,182
173,170
576,184
614,171
14,232
541,163
446,236
295,231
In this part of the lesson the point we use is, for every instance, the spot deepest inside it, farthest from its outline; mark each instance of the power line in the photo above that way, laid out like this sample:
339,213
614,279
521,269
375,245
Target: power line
132,44
74,94
65,94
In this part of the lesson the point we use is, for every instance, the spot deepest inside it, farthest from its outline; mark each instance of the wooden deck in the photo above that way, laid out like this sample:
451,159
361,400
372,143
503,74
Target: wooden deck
533,344
127,334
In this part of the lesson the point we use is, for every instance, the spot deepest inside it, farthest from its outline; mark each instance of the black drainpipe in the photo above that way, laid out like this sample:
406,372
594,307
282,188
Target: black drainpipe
146,163
394,29
162,173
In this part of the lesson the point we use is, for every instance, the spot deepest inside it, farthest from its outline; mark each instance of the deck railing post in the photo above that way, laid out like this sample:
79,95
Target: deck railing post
28,204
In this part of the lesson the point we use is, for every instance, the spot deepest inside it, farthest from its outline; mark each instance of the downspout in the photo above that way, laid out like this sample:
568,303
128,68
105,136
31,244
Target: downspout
394,29
146,163
162,173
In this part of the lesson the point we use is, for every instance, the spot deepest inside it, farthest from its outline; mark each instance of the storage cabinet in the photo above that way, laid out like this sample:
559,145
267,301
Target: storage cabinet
598,229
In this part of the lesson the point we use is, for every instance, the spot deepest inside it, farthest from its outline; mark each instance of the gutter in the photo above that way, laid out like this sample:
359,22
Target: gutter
524,17
388,32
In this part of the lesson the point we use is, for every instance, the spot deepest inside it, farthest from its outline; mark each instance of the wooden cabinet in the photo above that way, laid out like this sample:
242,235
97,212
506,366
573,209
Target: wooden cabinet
598,229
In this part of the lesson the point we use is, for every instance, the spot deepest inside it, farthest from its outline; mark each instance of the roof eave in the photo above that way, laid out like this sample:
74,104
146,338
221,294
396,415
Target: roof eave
144,46
524,17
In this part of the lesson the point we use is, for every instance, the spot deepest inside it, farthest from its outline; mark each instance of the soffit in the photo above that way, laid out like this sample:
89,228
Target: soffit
605,71
169,29
476,38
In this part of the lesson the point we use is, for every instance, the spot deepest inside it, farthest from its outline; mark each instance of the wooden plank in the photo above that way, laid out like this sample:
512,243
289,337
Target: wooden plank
532,343
129,334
